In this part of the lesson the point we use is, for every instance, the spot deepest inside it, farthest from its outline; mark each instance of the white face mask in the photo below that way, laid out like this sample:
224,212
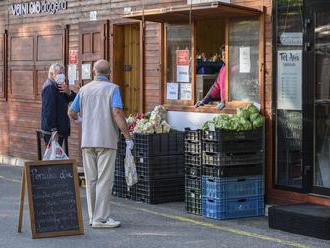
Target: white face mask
60,78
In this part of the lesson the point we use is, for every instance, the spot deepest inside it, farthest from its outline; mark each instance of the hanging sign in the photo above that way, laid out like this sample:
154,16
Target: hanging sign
182,66
289,79
291,39
185,92
86,71
244,60
73,56
38,7
172,91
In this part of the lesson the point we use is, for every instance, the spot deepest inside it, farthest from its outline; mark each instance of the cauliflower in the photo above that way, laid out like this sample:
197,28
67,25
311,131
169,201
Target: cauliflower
166,127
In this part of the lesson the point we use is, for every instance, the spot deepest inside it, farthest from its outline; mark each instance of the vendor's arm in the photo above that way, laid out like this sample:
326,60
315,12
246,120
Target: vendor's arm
118,113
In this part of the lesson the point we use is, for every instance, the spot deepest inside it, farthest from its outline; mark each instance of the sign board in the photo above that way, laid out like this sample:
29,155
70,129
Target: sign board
244,60
93,15
291,38
73,56
172,91
53,197
289,79
206,1
182,66
72,73
185,92
38,7
86,71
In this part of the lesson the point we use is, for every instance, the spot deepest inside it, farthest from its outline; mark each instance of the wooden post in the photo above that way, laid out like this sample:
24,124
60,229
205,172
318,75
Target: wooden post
21,206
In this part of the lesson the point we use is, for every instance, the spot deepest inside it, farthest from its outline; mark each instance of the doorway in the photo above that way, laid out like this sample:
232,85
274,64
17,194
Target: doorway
317,98
127,65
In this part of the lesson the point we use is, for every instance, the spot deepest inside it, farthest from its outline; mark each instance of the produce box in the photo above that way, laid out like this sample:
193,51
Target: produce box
193,201
233,171
232,159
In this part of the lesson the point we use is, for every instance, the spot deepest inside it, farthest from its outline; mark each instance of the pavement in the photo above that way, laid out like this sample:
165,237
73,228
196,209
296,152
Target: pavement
151,226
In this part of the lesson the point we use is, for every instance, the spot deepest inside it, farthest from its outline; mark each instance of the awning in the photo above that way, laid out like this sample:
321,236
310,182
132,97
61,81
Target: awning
205,11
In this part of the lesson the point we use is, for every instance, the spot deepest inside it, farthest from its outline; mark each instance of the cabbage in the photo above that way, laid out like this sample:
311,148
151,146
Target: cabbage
243,112
166,127
254,116
258,122
252,109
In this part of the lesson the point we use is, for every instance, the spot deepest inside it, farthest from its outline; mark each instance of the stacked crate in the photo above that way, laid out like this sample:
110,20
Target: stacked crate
193,170
159,162
232,174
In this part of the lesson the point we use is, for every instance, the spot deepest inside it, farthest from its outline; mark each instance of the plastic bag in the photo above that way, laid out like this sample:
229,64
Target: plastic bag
53,150
130,169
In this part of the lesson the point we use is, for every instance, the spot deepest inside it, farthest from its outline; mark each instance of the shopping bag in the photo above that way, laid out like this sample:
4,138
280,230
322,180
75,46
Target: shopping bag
130,169
53,150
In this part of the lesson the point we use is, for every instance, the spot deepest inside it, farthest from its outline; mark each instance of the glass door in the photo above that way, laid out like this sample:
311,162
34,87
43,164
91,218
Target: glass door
317,65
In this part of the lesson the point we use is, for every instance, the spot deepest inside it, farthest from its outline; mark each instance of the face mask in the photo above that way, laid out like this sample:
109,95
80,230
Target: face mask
60,78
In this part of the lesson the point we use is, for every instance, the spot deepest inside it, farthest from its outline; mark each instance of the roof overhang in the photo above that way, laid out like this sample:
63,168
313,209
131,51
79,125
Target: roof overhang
185,13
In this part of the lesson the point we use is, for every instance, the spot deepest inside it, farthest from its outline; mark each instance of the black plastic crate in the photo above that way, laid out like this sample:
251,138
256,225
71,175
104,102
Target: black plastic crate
192,147
195,171
233,171
193,201
193,135
148,145
160,167
119,188
193,183
232,159
161,190
121,146
231,141
192,159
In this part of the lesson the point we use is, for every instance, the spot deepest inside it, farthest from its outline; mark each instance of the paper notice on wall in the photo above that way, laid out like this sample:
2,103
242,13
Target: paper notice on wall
185,92
182,66
172,91
86,70
72,74
244,60
182,74
289,79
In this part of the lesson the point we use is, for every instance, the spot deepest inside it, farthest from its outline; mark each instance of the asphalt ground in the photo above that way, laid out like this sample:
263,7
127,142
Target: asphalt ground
144,226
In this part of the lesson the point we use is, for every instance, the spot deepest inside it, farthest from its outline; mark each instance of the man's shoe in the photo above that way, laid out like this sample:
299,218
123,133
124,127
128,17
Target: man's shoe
110,223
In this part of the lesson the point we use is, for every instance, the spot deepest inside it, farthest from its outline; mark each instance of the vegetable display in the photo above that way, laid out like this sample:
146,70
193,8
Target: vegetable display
247,118
149,123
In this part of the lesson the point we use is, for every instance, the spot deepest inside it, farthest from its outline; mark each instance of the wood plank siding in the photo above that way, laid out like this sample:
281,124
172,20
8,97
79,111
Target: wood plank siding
20,108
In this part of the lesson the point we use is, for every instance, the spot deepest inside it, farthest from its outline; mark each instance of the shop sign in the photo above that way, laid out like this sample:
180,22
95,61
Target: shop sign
289,79
291,39
182,66
73,57
38,7
206,1
172,91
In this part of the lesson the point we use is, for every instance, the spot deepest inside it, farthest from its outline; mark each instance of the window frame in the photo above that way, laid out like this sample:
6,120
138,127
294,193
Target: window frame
231,105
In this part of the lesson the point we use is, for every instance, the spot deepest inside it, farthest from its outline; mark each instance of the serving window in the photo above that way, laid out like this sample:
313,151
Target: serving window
214,51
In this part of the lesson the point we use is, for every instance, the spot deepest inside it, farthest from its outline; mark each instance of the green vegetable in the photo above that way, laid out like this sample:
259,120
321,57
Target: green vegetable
258,122
243,112
252,109
254,116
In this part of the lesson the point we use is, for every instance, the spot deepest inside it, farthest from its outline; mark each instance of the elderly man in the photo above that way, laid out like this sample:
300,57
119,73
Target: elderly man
56,96
100,107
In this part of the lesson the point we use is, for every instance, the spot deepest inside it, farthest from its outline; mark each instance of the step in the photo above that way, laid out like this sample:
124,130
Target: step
305,219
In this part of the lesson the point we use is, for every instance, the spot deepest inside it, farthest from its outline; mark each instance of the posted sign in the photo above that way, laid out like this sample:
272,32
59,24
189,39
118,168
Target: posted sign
182,66
289,80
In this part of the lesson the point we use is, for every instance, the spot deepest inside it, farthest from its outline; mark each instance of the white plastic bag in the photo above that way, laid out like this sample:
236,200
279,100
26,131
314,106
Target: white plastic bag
130,169
53,150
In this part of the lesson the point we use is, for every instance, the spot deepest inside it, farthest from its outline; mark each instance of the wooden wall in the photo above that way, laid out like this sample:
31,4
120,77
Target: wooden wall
24,112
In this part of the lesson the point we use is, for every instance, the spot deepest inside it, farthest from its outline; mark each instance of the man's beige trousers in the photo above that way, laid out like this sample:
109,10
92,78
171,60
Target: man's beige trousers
99,167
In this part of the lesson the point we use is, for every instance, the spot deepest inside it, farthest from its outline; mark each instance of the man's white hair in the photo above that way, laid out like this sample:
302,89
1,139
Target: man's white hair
55,69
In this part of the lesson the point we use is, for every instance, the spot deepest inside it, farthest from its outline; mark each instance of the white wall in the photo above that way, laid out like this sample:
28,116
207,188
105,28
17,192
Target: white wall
180,120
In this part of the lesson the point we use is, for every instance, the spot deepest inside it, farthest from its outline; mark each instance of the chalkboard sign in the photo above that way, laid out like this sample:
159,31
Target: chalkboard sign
54,199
